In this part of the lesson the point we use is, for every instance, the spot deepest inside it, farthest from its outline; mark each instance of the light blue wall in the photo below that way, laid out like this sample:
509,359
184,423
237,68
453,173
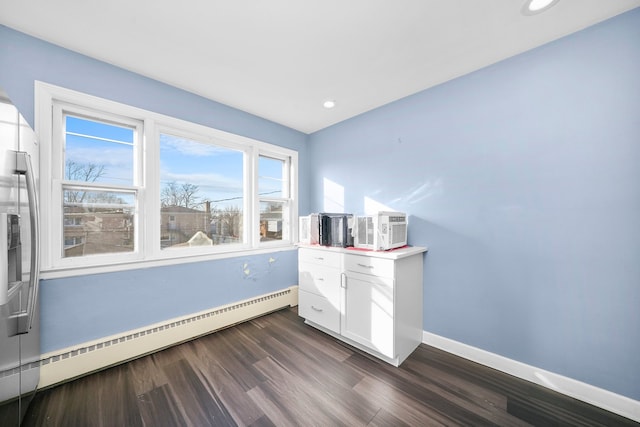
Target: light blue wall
524,180
78,309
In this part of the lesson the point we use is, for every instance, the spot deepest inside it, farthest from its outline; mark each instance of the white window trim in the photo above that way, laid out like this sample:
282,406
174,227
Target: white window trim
148,230
290,222
199,134
56,177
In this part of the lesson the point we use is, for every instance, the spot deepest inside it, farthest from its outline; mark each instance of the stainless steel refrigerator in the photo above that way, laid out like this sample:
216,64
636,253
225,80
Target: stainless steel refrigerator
19,308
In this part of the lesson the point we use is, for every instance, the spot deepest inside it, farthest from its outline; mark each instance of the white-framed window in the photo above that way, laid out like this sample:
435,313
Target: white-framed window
202,191
125,186
274,199
96,183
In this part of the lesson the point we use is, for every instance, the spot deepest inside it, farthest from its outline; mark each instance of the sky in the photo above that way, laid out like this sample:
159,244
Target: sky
217,171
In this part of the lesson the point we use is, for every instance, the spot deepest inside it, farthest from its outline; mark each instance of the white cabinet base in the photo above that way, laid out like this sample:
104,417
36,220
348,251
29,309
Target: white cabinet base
370,300
396,361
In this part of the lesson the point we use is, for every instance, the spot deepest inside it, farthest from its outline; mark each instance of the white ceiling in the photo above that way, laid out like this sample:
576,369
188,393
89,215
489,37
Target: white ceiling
280,59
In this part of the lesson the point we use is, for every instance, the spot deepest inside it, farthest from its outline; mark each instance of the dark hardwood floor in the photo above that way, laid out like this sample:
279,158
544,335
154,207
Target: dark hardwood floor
275,370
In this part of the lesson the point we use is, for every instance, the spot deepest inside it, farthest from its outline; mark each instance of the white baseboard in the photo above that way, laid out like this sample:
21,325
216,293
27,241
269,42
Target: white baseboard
72,362
596,396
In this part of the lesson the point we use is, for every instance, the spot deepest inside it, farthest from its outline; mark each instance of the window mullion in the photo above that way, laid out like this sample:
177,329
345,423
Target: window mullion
150,202
55,229
293,197
252,222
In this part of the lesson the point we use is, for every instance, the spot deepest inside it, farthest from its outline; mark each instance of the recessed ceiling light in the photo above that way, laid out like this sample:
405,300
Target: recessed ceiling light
531,7
329,104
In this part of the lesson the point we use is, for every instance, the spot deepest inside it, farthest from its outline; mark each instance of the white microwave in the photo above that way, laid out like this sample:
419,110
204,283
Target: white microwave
381,231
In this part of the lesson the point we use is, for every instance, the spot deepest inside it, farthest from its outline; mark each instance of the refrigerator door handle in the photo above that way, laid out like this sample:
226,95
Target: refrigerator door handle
24,167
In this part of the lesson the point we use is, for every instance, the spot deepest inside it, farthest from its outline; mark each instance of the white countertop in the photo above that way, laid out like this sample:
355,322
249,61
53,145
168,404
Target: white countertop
390,254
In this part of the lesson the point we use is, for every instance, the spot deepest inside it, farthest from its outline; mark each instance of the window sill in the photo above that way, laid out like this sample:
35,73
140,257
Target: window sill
56,273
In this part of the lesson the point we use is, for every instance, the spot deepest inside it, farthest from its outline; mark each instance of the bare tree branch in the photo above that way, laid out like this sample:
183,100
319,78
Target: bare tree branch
184,195
189,197
84,172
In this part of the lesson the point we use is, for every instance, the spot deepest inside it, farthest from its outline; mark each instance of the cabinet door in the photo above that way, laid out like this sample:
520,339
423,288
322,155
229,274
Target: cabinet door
367,312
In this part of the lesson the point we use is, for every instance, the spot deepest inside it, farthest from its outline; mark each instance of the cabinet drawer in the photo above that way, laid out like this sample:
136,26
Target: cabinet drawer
318,256
320,280
369,265
318,310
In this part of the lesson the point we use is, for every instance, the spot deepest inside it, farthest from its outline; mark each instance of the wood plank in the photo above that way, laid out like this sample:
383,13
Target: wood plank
200,405
157,407
231,393
288,400
395,404
455,384
275,370
437,399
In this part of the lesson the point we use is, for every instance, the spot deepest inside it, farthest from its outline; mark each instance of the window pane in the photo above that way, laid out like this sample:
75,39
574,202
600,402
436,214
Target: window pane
97,222
98,152
201,193
271,180
271,220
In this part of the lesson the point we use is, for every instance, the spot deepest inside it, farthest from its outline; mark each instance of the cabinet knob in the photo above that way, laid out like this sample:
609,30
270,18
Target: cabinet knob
365,266
314,308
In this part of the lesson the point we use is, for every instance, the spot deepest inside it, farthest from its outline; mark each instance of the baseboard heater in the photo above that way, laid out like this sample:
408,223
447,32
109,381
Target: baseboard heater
73,362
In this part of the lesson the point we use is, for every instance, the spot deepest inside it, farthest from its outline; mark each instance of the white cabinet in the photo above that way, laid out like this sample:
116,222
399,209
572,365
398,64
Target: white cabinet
368,315
371,300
